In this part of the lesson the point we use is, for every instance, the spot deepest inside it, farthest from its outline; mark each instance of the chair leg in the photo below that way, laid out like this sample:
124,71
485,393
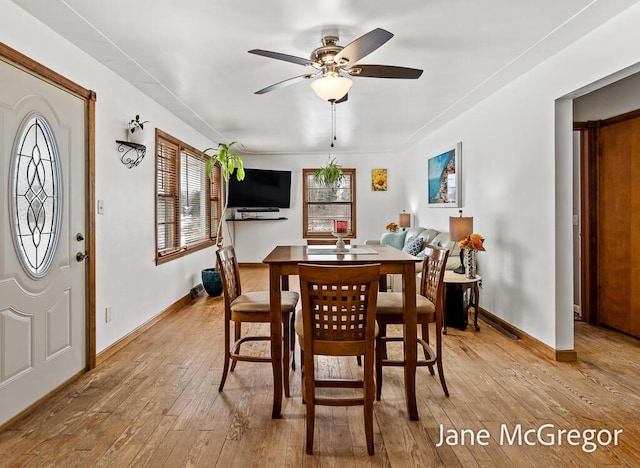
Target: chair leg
368,406
227,354
286,356
302,383
383,332
441,375
379,357
439,360
309,393
237,332
425,337
292,340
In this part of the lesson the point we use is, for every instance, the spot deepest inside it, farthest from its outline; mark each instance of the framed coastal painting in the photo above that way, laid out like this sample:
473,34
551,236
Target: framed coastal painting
443,182
379,180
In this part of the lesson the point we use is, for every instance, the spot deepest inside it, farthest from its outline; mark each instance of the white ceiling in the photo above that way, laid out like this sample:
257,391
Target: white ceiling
191,56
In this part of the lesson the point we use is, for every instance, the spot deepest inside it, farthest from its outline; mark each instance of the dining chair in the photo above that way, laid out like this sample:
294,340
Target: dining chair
249,307
338,319
429,306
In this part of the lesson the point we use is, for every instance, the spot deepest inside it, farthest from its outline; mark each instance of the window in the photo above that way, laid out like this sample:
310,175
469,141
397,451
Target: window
188,205
322,205
35,196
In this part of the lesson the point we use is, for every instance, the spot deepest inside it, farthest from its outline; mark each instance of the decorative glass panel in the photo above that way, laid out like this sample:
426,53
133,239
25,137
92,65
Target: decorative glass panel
35,196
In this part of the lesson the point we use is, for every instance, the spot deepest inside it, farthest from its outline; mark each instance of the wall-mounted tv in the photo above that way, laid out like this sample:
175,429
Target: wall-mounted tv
261,188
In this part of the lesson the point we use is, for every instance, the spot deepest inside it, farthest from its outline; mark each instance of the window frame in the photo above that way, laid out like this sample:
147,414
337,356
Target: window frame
306,173
213,200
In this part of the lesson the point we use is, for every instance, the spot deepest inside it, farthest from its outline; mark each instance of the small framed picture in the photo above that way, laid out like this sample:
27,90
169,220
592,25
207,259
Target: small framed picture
379,180
444,177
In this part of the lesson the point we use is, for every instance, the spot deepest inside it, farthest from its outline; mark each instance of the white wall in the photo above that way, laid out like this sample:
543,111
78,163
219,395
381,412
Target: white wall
127,278
254,240
614,99
516,163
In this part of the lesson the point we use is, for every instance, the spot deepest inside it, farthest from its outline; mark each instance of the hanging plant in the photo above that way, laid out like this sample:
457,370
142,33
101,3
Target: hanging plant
229,163
330,174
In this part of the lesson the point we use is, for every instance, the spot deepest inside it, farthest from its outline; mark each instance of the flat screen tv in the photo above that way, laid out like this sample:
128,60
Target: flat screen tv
261,188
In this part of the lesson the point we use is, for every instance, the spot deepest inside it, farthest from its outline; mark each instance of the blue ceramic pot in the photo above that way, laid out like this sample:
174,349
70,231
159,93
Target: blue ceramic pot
212,281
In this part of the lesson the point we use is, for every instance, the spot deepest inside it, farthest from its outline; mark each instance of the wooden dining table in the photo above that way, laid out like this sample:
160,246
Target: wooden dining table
284,260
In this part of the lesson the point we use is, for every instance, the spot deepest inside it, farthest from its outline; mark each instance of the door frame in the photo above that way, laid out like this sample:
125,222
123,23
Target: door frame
588,220
28,65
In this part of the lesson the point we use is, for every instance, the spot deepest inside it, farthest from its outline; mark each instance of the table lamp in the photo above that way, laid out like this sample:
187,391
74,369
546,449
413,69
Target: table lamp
404,220
459,228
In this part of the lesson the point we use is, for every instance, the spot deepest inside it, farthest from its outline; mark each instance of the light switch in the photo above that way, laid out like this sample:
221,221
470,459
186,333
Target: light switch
576,220
100,207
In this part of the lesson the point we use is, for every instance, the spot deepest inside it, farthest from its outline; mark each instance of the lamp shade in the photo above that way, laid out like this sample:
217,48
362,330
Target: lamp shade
331,88
404,220
460,227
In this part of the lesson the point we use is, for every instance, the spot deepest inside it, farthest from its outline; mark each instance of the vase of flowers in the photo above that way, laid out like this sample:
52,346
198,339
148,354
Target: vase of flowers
392,227
471,244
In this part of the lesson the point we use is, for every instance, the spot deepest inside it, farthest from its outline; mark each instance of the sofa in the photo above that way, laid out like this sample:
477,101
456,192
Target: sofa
414,241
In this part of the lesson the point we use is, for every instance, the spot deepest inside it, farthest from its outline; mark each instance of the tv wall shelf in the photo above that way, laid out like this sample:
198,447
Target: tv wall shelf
257,210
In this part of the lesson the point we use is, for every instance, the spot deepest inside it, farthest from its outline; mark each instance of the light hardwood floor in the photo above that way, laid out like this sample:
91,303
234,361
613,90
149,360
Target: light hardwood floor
155,403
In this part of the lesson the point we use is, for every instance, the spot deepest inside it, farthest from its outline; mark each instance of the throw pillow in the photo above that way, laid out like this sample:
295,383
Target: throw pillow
413,246
394,239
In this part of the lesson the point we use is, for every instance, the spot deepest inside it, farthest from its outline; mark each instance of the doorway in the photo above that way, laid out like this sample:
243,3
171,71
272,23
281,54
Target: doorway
47,321
611,223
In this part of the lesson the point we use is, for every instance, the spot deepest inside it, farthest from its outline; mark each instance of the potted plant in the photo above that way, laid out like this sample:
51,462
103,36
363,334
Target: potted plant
229,163
329,175
136,124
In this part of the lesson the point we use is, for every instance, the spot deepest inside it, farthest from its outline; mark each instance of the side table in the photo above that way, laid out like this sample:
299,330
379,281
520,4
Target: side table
459,282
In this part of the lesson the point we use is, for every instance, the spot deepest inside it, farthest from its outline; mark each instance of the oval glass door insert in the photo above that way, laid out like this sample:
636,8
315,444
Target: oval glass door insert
35,196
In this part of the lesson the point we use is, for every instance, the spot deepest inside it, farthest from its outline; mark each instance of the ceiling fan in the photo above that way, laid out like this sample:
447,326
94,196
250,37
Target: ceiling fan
332,62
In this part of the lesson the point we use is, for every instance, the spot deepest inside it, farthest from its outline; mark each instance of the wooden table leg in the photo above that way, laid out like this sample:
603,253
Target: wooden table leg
276,337
410,338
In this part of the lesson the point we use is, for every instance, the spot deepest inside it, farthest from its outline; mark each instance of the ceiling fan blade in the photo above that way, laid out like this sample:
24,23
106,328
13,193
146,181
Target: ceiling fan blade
284,83
363,46
385,71
284,57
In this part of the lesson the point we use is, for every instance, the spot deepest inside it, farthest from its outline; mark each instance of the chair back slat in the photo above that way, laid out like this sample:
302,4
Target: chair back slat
338,303
230,273
432,284
434,263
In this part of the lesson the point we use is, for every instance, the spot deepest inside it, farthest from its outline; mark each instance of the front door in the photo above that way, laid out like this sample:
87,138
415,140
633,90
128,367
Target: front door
42,223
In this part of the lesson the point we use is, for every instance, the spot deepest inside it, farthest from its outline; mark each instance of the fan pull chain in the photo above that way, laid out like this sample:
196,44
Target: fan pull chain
333,122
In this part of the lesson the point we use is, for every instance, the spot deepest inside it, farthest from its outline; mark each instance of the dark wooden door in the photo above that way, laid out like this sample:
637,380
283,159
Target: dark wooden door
618,204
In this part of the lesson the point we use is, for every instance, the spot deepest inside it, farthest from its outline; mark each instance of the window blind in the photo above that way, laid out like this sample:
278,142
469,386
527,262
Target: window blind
167,197
194,216
187,204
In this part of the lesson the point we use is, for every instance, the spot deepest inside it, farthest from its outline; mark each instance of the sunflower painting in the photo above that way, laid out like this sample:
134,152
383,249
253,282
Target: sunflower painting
379,180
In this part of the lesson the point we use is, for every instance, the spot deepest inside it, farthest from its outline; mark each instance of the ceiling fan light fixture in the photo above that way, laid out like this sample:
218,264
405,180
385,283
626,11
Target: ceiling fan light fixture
331,87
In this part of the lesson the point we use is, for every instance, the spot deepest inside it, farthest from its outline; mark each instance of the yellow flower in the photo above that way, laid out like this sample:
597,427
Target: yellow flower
379,180
393,227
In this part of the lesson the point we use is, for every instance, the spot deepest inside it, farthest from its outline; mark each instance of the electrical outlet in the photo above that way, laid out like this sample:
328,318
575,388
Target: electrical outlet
107,314
100,207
